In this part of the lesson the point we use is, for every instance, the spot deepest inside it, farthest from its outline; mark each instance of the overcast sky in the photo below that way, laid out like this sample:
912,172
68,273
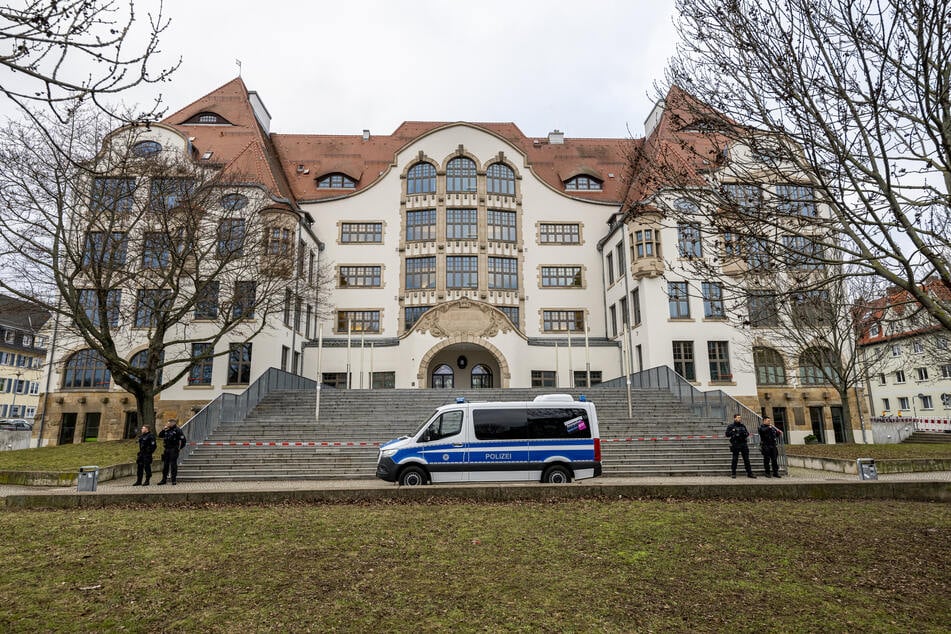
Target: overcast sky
585,68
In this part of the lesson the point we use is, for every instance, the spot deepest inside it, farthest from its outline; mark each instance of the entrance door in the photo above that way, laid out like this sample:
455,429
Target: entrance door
131,425
442,377
779,419
91,427
67,429
838,424
815,414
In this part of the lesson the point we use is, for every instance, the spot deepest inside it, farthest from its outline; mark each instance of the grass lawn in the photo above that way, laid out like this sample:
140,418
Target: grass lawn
69,457
565,566
877,452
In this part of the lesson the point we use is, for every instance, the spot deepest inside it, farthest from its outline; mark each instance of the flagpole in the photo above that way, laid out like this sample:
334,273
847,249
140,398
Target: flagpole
349,334
587,353
362,346
320,367
571,367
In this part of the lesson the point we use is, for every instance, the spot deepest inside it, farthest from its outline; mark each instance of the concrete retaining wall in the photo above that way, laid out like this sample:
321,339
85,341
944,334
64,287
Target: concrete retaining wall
840,465
68,478
12,440
913,491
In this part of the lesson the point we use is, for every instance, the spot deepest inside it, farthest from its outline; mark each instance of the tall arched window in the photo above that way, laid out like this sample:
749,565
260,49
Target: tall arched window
86,369
481,377
817,366
442,377
770,369
421,179
461,175
500,179
138,360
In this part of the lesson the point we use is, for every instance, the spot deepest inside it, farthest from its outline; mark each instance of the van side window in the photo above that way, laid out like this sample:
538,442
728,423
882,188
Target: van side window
500,424
449,424
559,422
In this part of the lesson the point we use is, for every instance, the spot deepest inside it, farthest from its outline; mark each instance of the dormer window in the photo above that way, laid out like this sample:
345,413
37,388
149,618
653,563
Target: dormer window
336,181
208,118
588,183
145,149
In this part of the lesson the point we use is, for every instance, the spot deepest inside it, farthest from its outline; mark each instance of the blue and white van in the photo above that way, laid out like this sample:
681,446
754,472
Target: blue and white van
552,439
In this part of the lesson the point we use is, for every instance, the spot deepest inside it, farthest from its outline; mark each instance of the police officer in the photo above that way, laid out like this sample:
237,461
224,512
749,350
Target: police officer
769,444
143,461
738,434
174,439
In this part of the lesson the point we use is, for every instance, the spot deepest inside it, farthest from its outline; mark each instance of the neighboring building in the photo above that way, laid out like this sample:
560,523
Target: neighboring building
23,343
463,255
908,357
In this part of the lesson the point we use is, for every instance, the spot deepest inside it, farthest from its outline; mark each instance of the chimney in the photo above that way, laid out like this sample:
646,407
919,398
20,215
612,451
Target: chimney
366,135
556,137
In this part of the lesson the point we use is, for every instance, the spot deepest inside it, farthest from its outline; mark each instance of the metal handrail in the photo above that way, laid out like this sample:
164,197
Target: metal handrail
713,404
234,408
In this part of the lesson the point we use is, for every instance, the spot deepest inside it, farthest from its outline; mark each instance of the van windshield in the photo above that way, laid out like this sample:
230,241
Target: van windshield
423,426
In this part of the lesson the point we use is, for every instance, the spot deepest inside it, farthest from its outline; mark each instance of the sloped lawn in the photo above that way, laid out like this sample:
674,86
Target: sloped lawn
564,566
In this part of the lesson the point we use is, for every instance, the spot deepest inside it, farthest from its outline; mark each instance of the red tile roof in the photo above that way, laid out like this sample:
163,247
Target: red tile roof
288,165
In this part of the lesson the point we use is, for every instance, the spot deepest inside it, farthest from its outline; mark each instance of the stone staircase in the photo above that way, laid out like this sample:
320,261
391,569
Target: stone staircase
928,437
280,439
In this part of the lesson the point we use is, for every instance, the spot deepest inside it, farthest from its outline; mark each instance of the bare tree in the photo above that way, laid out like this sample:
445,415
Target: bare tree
151,257
844,104
60,53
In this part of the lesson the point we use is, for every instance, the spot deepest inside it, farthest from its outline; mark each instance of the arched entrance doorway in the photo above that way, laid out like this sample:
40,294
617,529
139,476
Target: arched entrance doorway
464,365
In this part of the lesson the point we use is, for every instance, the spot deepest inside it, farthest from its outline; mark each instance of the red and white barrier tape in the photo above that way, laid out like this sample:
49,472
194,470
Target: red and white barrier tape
377,444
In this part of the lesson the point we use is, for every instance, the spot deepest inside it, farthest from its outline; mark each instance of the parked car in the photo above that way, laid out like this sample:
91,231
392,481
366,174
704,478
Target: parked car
16,424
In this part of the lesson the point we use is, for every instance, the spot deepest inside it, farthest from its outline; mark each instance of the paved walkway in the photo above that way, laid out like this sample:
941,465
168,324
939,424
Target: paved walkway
124,485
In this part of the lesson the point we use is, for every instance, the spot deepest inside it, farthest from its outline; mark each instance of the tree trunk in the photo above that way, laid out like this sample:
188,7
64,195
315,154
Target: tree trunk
145,404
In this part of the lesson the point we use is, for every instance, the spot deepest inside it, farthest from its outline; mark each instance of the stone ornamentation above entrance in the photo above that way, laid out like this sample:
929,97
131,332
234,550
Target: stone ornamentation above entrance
463,317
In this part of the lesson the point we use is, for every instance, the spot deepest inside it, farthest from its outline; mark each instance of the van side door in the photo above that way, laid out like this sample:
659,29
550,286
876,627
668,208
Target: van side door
443,447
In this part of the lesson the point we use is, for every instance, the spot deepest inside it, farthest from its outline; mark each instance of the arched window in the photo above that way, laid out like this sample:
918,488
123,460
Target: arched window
770,369
500,179
461,175
583,182
144,149
336,181
138,360
421,179
442,377
86,369
234,202
481,377
817,366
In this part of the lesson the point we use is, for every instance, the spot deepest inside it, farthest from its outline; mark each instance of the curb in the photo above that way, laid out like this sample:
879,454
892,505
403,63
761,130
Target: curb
870,490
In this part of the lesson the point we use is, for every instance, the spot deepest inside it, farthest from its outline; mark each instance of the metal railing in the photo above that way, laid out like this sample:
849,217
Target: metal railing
234,408
713,404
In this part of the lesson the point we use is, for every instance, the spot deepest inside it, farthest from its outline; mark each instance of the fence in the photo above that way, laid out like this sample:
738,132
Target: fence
893,429
234,408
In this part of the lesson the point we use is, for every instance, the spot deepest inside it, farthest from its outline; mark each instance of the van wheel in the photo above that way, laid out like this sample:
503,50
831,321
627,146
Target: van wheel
556,475
412,477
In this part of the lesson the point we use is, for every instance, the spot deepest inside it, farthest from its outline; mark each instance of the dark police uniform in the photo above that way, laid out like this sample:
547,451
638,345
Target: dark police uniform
143,461
737,433
769,445
174,439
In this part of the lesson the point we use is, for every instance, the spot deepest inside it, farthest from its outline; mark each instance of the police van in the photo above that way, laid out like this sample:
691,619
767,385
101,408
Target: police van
552,439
